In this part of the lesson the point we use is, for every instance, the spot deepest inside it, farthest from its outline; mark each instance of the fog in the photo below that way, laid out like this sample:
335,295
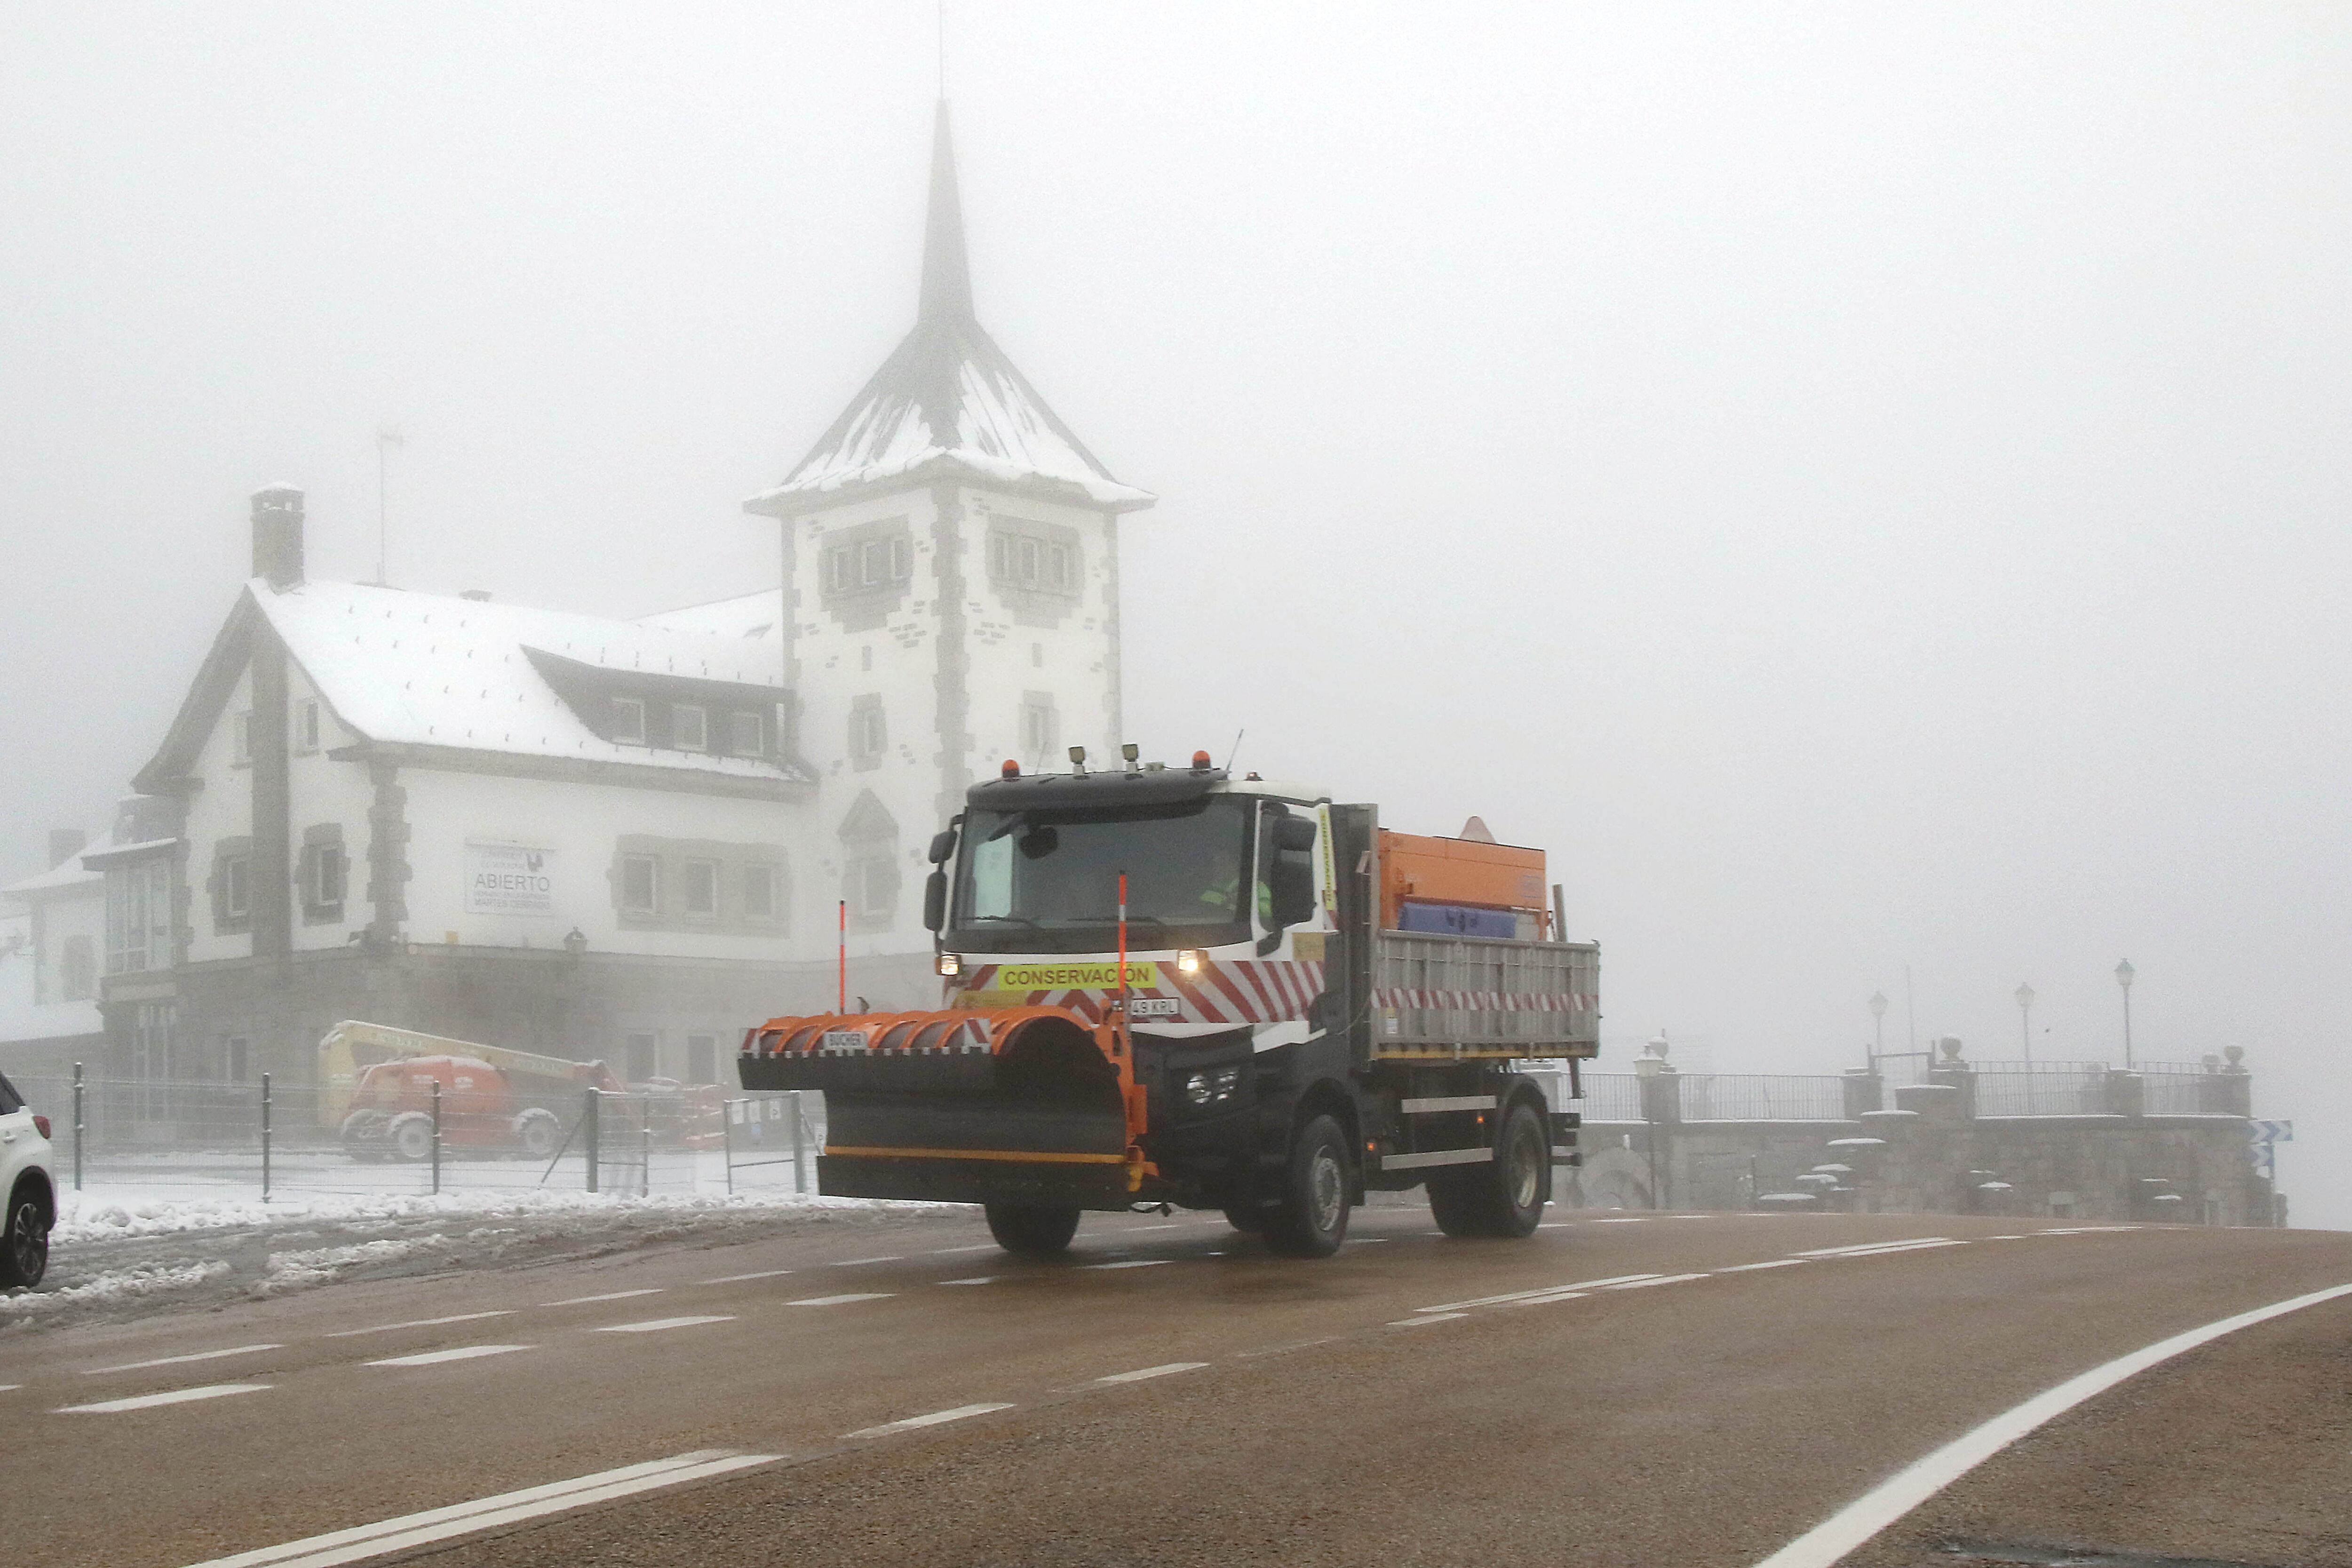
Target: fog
1865,489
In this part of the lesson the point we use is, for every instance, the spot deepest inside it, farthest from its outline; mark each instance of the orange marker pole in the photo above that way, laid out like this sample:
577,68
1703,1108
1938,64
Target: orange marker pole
845,958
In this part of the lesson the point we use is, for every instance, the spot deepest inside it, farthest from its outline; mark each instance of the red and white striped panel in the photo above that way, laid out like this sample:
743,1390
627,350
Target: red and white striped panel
1485,1001
1235,990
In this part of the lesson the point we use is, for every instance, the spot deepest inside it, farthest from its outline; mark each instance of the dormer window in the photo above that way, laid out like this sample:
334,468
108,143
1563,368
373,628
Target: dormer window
628,720
241,743
747,734
306,725
689,727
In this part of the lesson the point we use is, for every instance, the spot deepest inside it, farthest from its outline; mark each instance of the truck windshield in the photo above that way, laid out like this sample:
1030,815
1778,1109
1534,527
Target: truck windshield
1047,881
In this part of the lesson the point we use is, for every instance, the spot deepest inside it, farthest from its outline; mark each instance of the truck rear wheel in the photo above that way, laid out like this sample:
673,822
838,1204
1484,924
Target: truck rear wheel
1312,1220
1245,1217
411,1135
535,1132
1030,1231
1505,1198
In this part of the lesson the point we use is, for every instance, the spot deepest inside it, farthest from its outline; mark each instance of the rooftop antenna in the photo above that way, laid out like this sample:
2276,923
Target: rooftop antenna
387,436
1237,749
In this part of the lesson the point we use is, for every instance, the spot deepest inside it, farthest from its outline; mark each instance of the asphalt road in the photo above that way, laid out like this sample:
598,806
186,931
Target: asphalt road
1721,1384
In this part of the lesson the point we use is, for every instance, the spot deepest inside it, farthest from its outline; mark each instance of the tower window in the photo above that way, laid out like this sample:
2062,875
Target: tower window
701,881
1036,557
869,732
1041,729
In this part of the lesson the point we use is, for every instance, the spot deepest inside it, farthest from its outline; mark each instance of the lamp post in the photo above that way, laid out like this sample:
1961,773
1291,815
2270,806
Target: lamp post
2025,1018
2124,972
1877,1028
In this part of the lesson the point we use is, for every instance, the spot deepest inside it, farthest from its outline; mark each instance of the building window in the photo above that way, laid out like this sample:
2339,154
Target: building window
237,1059
869,856
322,877
1041,729
689,727
237,886
153,1025
305,726
243,744
1046,561
701,885
760,901
702,1058
77,970
629,720
747,734
640,884
869,732
644,1057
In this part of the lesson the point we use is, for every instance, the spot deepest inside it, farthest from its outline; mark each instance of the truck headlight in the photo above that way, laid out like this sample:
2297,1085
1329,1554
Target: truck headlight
1198,1090
1208,1087
949,963
1188,960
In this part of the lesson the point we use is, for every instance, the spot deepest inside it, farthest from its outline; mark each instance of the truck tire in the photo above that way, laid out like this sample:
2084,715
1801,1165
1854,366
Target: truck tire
1505,1198
1031,1232
24,1240
1246,1217
1453,1202
535,1132
363,1135
1312,1220
410,1136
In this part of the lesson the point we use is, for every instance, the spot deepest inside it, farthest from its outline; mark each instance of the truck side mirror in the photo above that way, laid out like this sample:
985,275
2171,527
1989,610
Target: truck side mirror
1293,887
943,845
1296,834
935,901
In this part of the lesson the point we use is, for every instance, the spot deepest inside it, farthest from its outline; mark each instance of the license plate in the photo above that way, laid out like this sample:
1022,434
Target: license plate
843,1040
1153,1007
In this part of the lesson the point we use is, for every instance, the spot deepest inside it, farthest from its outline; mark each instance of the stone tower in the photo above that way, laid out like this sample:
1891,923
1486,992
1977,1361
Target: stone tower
950,556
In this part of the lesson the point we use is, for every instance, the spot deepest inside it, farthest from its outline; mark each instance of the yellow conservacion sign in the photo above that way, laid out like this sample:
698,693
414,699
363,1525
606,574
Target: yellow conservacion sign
1076,977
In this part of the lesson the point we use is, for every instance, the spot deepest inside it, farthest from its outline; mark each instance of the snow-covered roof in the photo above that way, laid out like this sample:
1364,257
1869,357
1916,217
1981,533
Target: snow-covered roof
21,1017
753,615
68,873
422,670
948,399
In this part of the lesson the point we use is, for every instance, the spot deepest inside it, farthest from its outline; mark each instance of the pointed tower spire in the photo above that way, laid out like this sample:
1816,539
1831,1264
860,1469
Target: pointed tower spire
947,274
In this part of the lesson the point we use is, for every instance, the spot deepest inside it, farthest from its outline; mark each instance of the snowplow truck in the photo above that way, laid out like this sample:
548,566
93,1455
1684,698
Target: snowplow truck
1168,986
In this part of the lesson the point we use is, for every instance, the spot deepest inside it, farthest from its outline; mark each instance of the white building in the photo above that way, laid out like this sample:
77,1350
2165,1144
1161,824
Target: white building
630,839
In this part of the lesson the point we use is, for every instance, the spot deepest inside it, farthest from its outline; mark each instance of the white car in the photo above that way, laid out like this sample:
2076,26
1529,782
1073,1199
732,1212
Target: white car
31,1192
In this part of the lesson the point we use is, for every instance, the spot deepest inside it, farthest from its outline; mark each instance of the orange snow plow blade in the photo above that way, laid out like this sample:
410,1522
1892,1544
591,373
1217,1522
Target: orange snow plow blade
1022,1105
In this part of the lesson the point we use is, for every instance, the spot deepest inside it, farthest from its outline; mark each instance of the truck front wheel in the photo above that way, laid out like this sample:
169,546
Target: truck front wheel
1031,1232
1313,1218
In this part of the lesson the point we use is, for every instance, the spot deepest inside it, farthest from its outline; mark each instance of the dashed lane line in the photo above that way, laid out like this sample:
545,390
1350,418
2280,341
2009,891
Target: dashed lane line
739,1279
975,1280
859,1262
840,1300
435,1358
1547,1301
1888,1501
412,1531
1130,1263
936,1418
1656,1279
1842,1254
1138,1376
1860,1248
1769,1263
608,1296
1416,1322
1539,1290
655,1325
176,1396
976,1246
421,1324
181,1360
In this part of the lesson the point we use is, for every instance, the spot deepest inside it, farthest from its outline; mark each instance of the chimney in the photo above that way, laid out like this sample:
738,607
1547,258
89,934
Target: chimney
278,535
65,843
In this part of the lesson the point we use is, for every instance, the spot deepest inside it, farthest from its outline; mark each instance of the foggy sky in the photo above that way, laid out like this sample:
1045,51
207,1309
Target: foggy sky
1862,487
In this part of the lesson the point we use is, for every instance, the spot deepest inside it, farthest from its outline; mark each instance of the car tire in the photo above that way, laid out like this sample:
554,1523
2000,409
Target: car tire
1030,1231
1312,1219
535,1132
25,1241
410,1136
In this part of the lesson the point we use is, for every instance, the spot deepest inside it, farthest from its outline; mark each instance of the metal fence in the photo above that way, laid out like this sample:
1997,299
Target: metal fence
2042,1088
2191,1089
1612,1097
153,1139
1722,1097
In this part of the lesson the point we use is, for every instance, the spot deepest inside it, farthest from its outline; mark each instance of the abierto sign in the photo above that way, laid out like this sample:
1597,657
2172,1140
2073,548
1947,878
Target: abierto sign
509,878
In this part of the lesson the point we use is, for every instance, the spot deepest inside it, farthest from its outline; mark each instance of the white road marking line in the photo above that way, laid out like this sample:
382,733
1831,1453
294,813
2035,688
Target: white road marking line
1686,1216
1555,1225
856,1262
1172,1366
181,1360
1539,1290
655,1325
412,1531
1875,1247
1130,1263
976,1246
420,1323
840,1301
1775,1263
739,1279
1661,1279
2004,1239
1889,1500
1366,1240
10,1387
608,1296
177,1396
1630,1219
2087,1229
1415,1323
1163,1225
975,1280
435,1358
1889,1251
1547,1301
933,1419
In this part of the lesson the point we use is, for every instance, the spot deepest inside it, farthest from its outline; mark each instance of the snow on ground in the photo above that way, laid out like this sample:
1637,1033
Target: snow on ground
121,1249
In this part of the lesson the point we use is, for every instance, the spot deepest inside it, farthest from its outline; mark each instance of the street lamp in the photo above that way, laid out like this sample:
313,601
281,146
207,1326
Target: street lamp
2123,978
1877,1028
2025,1016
